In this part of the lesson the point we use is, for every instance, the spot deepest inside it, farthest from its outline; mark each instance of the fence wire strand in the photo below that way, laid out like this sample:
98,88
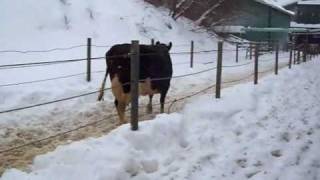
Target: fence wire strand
40,51
47,79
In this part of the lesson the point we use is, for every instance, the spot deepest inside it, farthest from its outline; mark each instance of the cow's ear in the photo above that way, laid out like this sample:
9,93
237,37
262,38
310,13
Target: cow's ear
157,43
169,46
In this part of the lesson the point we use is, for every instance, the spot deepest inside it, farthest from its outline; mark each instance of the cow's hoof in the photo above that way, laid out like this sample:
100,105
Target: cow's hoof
149,109
122,122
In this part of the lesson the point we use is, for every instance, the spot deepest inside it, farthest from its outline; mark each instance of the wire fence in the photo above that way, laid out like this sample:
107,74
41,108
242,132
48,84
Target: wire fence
172,102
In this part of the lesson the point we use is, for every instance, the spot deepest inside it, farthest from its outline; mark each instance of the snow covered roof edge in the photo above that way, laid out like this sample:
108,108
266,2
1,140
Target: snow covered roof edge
275,6
287,2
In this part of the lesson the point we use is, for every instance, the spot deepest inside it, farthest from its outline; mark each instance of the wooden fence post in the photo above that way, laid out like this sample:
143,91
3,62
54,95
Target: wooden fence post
89,59
219,70
152,42
276,66
191,54
134,83
256,57
290,56
237,52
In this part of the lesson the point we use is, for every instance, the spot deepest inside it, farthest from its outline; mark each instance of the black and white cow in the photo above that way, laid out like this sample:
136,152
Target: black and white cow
155,74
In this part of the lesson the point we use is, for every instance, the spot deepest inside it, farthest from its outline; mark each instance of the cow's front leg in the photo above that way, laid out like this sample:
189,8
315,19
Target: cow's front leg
149,106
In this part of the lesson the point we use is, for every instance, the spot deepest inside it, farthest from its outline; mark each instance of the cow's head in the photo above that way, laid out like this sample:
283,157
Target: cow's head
162,45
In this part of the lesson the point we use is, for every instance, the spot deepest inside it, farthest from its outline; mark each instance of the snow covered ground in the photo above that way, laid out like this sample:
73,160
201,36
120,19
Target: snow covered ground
66,23
268,131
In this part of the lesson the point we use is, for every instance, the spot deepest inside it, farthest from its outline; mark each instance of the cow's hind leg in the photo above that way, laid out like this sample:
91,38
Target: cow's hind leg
149,107
162,101
121,107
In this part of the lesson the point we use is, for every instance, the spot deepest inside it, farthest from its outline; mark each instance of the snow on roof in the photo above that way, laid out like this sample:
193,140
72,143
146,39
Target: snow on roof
310,2
275,5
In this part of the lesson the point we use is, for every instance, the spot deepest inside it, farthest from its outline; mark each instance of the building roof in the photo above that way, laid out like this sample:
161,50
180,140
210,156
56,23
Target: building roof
275,5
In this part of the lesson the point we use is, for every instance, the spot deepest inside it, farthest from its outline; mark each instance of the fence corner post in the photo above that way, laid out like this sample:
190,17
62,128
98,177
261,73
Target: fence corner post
88,59
134,83
219,69
256,66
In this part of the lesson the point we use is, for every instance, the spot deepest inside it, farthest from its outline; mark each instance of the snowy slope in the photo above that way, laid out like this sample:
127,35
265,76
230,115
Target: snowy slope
269,131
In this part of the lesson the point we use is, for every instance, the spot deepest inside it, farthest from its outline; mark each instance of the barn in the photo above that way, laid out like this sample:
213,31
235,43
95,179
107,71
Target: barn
261,14
232,16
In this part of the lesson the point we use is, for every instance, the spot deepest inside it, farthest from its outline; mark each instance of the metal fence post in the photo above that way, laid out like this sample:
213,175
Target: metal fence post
237,52
191,54
276,66
89,59
250,52
256,58
134,83
290,56
219,69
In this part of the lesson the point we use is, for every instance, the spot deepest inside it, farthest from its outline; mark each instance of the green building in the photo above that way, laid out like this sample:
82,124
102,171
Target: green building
263,14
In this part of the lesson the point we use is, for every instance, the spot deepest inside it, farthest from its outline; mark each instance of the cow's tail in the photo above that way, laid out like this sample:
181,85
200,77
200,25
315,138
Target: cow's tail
101,94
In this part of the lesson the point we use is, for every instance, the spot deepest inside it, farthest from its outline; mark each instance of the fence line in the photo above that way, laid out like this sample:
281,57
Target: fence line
94,92
40,63
112,115
244,64
90,93
72,75
51,102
